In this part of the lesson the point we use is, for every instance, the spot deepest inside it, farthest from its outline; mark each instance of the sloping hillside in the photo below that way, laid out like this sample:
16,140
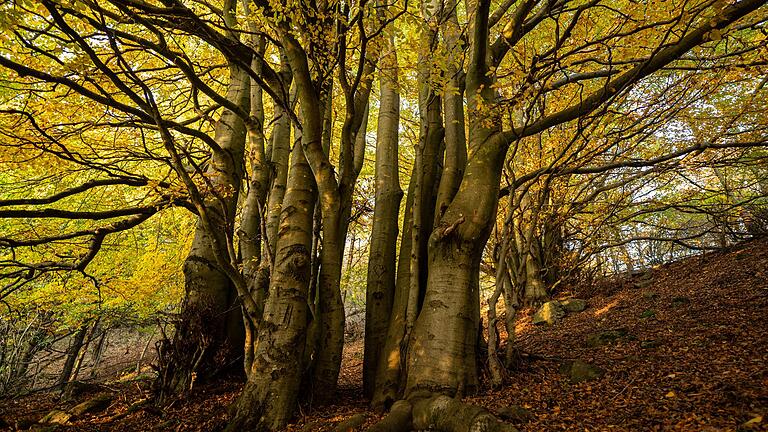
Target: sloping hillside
688,351
681,347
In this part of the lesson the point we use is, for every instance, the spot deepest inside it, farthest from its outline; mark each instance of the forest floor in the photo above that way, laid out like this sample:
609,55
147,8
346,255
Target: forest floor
691,355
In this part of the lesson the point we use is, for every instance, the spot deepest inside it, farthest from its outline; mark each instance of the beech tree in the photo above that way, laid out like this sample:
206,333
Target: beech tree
448,321
254,116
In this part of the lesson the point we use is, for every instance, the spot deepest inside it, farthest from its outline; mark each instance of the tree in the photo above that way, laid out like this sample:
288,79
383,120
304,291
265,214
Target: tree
447,325
556,82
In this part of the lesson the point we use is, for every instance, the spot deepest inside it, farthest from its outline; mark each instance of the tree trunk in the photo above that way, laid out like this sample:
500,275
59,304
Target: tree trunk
281,148
380,290
73,353
210,336
271,393
453,103
447,326
535,289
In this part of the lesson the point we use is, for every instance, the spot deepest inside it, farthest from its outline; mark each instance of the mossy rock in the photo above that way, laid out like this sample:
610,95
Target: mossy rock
549,313
580,371
606,337
574,304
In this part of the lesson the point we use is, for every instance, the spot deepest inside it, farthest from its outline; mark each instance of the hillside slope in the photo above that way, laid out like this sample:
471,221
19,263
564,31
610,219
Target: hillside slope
681,347
694,355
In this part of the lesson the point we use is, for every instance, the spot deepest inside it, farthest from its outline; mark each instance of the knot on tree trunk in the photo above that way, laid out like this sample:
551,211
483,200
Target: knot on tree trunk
446,230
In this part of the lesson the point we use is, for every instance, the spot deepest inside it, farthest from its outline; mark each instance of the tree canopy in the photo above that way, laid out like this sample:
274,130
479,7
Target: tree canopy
241,164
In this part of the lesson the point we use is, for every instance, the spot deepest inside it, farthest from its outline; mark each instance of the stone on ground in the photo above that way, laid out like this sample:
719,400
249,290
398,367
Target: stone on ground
579,371
574,304
606,337
549,313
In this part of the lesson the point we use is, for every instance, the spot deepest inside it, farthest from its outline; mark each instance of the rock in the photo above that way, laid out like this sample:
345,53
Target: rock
515,414
574,305
351,424
99,403
648,313
649,344
642,279
606,337
680,301
549,313
579,371
650,295
56,417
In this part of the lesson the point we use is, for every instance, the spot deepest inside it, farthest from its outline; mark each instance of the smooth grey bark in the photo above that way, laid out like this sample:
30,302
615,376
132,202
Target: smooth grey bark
495,365
453,108
261,210
211,321
335,197
252,226
380,290
389,371
252,215
448,324
281,149
271,393
419,217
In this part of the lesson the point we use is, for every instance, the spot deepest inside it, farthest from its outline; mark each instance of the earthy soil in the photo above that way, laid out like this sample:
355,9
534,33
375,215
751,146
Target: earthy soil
695,358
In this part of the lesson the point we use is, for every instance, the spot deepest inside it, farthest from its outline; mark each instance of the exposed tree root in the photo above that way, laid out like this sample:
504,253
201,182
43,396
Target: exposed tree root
400,418
428,411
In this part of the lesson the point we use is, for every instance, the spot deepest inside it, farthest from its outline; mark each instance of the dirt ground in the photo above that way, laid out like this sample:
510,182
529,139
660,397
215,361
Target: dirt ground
693,357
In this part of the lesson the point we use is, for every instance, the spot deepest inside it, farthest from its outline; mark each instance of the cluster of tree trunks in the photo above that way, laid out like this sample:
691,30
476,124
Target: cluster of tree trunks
264,271
423,309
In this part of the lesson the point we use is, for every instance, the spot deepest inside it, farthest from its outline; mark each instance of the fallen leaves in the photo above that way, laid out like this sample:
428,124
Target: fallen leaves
705,370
